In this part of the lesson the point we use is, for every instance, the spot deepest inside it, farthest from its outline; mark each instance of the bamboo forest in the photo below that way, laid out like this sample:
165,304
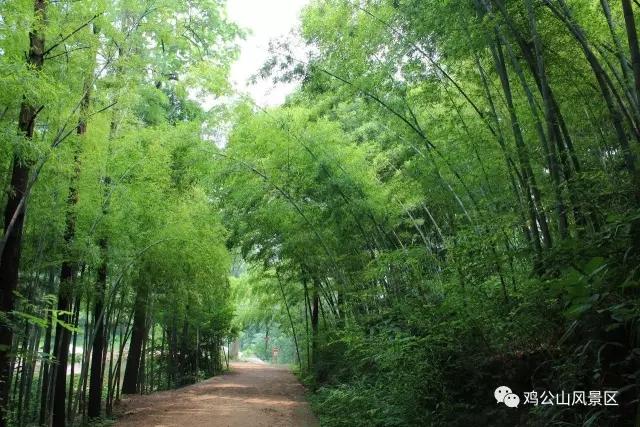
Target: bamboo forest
431,219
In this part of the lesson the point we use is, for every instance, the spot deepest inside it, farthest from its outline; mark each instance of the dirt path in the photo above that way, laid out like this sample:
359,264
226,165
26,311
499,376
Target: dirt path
250,395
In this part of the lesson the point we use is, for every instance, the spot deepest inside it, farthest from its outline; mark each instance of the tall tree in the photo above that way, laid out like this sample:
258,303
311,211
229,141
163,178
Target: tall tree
14,211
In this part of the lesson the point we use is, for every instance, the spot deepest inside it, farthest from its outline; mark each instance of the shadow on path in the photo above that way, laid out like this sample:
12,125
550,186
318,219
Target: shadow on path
250,395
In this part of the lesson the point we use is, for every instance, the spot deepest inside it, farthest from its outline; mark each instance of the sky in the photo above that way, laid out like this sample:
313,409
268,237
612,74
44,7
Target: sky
265,20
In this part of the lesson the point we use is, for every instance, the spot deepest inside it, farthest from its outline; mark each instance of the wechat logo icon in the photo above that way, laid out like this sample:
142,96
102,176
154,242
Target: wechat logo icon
503,394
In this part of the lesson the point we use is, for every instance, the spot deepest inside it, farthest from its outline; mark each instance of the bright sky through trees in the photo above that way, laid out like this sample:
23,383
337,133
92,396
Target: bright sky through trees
266,20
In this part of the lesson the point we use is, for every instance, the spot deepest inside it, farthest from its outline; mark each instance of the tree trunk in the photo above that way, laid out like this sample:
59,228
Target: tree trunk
110,369
162,357
74,340
67,277
553,130
130,383
95,381
315,301
142,374
624,67
45,378
632,37
293,328
33,357
61,347
307,314
81,398
14,214
21,378
510,165
532,194
152,362
606,90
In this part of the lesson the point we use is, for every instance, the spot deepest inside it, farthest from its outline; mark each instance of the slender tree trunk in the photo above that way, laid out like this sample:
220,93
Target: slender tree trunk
110,372
86,356
632,37
143,363
107,316
266,340
605,89
68,275
315,339
152,360
45,377
74,340
110,369
306,322
552,126
61,348
532,194
118,375
14,212
162,357
124,336
293,328
132,368
197,361
608,93
171,356
94,407
511,167
624,67
560,145
21,378
33,357
184,360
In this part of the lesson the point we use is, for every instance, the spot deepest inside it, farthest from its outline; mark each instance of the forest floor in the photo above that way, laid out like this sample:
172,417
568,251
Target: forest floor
251,394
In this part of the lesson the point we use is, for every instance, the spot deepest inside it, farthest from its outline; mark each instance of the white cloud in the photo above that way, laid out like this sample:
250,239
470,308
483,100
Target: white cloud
266,20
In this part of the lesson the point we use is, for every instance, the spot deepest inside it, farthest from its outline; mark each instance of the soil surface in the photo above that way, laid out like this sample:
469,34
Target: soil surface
252,394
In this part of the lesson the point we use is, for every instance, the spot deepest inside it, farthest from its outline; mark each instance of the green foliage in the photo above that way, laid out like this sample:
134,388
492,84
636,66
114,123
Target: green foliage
449,201
463,225
121,184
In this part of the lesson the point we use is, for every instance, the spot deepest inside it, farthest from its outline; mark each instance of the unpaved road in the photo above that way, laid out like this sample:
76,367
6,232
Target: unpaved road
250,395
